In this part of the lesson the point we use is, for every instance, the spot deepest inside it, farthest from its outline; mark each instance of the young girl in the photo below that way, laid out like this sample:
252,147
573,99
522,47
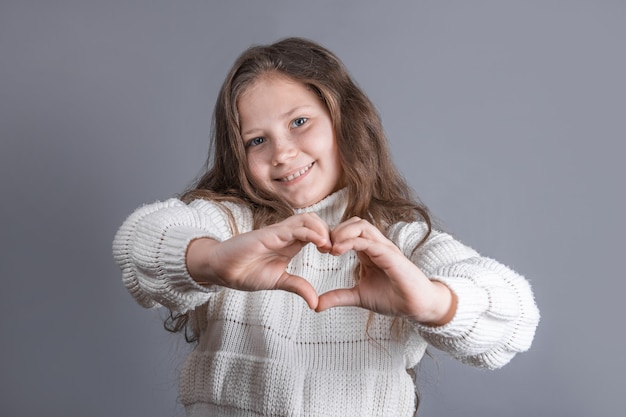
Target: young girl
302,196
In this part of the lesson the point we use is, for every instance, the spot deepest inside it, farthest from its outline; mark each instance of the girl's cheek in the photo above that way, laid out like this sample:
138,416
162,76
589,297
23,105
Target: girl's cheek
256,169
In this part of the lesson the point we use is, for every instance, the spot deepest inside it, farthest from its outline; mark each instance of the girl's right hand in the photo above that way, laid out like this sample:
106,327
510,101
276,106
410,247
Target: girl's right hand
257,260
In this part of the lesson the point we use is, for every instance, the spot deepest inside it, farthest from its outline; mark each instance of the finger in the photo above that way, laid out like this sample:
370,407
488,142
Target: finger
304,234
342,297
382,254
346,225
353,219
354,228
313,222
309,227
299,286
345,245
359,244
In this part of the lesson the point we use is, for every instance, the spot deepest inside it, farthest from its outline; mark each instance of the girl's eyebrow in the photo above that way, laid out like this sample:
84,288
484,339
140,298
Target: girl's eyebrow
295,110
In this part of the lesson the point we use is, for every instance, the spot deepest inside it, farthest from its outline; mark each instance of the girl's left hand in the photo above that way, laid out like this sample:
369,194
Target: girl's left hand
389,282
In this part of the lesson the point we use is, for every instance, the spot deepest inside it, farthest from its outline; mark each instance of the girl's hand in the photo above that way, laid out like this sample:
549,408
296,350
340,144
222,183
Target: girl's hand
389,283
257,260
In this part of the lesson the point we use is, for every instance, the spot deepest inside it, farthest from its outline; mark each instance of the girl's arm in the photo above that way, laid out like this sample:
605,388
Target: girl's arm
476,309
389,283
175,255
150,249
258,259
496,315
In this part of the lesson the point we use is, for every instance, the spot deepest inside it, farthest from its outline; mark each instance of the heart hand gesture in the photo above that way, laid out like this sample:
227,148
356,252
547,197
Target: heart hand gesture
389,283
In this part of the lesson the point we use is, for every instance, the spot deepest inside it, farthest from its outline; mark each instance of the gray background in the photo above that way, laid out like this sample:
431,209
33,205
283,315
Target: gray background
506,116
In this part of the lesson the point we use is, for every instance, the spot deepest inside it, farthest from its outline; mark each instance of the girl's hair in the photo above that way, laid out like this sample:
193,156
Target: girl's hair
376,190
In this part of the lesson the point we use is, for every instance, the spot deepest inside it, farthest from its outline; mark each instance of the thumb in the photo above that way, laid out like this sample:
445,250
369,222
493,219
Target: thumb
299,286
341,297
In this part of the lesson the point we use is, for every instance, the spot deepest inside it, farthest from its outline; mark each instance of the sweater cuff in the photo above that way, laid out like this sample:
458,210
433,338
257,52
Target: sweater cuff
472,302
162,269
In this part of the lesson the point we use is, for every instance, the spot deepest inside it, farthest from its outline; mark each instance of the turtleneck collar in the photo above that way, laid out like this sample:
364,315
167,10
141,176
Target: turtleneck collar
330,209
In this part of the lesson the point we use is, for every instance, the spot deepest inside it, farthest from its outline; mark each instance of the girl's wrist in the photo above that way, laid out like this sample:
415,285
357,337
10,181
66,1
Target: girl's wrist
197,260
444,308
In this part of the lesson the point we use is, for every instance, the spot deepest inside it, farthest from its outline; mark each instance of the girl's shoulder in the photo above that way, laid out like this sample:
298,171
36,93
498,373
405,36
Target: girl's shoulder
408,233
415,238
232,212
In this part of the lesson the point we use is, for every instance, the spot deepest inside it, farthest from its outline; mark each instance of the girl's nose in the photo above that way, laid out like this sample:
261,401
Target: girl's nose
284,150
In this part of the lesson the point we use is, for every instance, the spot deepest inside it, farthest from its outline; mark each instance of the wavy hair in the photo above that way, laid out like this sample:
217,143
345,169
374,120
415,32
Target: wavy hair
376,190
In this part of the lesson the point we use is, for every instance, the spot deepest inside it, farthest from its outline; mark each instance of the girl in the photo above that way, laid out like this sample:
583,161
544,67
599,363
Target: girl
302,196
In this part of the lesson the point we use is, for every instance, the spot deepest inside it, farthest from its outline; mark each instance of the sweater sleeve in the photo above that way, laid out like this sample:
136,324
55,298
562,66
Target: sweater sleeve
496,315
150,249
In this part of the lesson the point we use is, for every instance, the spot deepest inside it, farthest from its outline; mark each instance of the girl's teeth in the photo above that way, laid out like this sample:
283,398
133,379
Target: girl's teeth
296,174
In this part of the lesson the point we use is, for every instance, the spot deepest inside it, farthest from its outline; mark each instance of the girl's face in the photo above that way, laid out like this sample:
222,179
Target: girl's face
289,139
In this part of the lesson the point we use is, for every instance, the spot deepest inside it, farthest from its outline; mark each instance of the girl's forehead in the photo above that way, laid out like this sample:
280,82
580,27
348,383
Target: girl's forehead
273,91
269,80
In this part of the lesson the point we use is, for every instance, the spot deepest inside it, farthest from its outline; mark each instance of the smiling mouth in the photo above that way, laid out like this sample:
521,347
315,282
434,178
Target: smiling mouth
296,174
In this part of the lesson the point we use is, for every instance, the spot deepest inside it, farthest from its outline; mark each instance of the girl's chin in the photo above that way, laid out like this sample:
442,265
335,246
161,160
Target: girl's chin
306,201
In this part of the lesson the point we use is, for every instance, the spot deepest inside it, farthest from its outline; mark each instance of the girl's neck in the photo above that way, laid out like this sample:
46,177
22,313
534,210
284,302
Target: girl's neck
330,209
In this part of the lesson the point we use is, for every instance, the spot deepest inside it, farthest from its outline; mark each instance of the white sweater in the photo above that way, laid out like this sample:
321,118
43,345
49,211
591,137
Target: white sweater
266,353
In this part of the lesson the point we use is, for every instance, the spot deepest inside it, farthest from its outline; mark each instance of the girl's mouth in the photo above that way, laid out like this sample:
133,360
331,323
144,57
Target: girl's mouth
296,174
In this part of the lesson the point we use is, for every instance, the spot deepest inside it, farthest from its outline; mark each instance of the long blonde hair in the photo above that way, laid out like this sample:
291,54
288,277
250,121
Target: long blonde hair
376,190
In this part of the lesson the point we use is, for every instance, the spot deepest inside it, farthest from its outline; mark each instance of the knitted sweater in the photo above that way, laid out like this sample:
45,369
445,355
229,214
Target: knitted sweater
266,353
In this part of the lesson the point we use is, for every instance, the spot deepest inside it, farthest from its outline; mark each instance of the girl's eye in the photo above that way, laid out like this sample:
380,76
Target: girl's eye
299,122
256,141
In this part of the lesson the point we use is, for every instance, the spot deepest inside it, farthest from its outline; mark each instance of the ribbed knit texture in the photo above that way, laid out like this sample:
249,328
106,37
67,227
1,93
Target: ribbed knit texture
266,353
